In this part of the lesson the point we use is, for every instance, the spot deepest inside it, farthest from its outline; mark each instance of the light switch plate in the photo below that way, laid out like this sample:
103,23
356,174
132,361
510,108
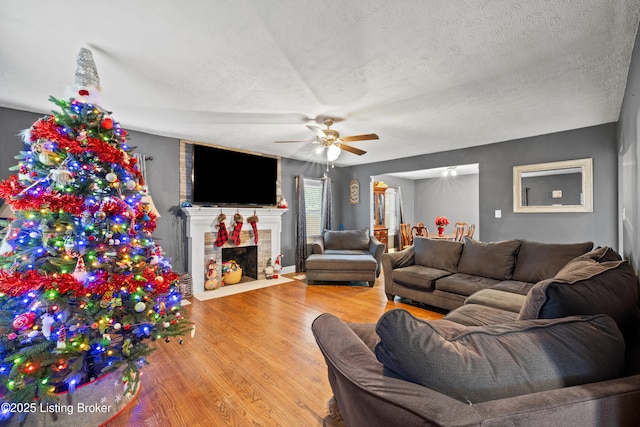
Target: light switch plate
498,213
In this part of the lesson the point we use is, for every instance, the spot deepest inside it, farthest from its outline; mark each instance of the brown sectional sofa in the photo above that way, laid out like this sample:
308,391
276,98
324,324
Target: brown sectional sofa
444,274
563,350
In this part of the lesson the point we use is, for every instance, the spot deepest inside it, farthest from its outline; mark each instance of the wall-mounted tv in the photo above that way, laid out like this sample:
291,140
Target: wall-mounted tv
222,177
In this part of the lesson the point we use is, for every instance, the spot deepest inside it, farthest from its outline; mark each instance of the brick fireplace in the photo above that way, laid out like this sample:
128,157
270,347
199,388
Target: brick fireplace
202,232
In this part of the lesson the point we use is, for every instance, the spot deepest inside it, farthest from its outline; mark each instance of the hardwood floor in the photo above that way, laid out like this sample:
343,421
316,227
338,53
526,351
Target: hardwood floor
253,360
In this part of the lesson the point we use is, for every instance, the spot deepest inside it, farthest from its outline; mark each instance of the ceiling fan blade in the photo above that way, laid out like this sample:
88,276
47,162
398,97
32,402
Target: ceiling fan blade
318,131
365,137
351,149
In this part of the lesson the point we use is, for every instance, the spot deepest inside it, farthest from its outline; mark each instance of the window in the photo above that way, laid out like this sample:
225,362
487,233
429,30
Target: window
313,205
390,211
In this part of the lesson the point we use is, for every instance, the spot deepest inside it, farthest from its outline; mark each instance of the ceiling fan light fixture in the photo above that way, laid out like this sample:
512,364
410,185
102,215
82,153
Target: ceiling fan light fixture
333,152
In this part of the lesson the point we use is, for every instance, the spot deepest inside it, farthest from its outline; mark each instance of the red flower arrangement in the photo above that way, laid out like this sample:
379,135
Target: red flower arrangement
441,221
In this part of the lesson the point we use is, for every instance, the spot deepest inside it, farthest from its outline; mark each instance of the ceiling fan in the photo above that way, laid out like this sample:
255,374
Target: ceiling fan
331,140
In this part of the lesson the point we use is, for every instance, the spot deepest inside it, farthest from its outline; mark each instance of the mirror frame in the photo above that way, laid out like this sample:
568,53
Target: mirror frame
586,165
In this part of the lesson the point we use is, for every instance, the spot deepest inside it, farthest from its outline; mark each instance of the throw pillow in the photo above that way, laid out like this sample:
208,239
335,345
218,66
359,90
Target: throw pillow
494,260
440,254
480,363
539,261
347,239
598,282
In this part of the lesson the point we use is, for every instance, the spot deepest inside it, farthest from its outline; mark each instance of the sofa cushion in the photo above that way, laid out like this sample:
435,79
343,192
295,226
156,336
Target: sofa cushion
598,282
418,276
346,239
357,262
480,363
480,315
495,260
440,254
513,286
346,252
539,261
497,299
464,284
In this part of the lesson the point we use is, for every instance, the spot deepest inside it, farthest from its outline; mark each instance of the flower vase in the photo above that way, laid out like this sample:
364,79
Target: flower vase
440,231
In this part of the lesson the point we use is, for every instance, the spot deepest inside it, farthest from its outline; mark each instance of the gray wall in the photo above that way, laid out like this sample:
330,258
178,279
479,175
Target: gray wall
12,122
628,136
496,163
454,197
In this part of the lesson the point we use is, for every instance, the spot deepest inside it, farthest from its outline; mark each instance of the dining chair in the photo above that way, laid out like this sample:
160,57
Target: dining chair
470,231
419,230
461,230
405,236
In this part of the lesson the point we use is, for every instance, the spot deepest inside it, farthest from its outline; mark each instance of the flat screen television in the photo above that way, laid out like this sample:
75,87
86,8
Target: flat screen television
223,177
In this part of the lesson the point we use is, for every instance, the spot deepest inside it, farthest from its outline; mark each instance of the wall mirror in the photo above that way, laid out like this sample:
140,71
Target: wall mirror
565,186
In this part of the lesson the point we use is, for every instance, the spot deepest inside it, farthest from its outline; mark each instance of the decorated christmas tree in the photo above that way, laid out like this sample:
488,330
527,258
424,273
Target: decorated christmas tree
84,289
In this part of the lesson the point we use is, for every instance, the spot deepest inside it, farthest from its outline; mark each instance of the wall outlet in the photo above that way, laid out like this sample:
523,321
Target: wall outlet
498,213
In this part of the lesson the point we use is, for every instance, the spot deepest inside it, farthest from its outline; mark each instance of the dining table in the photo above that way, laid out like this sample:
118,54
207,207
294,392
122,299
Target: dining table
445,236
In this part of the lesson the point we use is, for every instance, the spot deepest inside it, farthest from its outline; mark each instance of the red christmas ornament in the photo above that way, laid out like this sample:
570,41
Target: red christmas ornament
83,92
107,123
24,321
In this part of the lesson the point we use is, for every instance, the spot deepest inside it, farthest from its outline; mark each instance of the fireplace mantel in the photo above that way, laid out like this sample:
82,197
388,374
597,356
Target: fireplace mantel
201,220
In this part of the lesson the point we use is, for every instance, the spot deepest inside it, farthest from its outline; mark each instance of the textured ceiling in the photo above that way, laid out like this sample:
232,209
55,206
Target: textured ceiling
425,75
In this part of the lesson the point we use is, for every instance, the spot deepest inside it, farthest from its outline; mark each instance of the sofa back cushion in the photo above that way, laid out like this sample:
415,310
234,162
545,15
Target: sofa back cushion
480,363
494,260
598,282
440,254
538,261
347,239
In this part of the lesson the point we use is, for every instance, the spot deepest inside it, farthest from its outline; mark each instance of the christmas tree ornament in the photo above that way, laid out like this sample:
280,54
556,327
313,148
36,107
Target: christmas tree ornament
223,234
5,248
61,176
253,221
24,321
62,337
100,215
107,123
111,177
69,245
47,325
46,158
139,307
237,228
86,72
80,273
